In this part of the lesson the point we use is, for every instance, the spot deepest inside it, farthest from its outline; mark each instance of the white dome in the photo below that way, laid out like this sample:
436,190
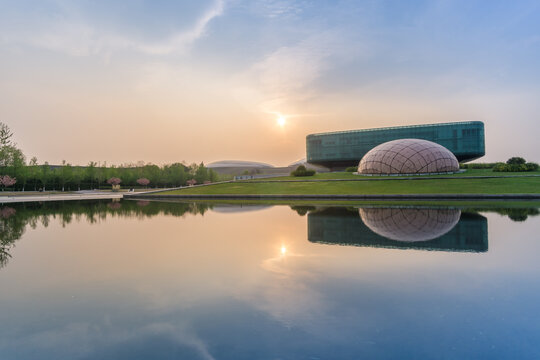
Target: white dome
410,225
408,156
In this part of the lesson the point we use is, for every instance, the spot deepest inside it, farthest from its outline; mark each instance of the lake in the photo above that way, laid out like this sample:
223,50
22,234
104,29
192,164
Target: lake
170,280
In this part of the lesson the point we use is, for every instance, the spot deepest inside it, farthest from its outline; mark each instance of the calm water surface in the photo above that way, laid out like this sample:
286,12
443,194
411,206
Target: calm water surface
154,280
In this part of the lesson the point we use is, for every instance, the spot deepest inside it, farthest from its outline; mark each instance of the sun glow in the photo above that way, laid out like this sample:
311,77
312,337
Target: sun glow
281,120
283,250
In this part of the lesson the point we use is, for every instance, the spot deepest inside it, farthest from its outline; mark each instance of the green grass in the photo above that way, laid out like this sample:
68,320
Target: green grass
346,175
529,185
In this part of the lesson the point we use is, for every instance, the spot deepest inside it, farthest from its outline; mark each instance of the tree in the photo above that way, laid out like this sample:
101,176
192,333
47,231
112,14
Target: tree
45,174
77,176
10,155
66,174
302,171
33,171
115,182
143,181
7,181
90,173
5,135
516,160
201,174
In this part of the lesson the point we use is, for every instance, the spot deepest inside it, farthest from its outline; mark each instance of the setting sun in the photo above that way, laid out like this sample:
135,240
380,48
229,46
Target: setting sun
281,120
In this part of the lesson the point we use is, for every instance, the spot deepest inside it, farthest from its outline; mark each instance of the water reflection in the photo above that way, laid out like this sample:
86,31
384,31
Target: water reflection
429,229
14,219
410,224
153,280
413,228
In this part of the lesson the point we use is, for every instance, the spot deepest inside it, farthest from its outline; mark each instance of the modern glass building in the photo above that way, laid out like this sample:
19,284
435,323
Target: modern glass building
346,148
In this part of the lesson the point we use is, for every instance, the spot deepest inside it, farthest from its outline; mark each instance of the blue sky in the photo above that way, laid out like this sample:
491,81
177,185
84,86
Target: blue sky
173,74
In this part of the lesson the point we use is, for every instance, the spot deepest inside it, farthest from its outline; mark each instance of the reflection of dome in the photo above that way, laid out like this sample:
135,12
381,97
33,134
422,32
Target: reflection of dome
408,156
410,224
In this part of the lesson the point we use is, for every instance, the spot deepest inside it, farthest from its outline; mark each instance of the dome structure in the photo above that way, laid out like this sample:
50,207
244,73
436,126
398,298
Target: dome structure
410,225
408,156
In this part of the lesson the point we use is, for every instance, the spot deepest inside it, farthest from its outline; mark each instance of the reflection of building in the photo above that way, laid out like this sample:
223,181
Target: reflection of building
410,224
342,226
345,148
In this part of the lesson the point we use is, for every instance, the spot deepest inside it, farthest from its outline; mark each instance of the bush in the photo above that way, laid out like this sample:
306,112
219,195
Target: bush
532,166
351,169
516,160
302,171
477,166
515,164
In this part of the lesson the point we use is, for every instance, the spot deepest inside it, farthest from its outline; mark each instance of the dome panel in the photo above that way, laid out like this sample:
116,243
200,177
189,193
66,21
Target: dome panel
408,156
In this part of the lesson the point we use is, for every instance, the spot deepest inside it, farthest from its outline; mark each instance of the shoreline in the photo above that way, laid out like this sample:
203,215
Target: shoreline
58,197
341,196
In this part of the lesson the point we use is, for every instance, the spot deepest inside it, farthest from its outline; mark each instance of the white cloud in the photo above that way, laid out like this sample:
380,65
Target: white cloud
288,74
77,37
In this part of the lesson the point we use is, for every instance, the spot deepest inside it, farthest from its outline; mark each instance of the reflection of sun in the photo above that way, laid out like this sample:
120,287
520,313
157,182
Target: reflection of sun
281,120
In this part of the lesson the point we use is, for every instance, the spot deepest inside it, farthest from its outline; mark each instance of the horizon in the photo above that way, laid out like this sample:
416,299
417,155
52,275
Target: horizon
219,80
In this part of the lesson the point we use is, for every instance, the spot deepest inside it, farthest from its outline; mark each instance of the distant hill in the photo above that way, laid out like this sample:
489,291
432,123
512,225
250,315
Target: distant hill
238,164
303,161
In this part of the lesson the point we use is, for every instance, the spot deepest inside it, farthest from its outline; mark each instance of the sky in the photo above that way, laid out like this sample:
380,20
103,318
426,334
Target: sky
169,81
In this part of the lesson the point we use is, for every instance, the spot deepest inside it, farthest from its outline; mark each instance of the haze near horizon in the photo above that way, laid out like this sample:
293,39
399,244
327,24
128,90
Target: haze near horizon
171,81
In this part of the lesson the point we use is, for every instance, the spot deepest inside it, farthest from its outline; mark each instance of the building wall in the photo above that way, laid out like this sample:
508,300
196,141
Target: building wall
346,148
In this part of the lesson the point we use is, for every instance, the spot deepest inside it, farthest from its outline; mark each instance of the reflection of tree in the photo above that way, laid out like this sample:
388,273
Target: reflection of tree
303,209
514,213
518,214
11,229
13,220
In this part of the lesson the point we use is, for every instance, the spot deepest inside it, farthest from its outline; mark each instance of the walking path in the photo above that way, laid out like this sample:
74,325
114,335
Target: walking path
61,197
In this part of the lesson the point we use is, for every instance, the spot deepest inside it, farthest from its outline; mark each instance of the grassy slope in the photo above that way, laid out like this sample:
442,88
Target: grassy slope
466,186
345,175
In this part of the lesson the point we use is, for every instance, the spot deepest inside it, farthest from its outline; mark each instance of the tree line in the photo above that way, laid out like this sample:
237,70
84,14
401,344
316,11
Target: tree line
17,174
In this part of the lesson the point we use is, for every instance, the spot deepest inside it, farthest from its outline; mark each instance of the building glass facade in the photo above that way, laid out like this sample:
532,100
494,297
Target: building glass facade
346,148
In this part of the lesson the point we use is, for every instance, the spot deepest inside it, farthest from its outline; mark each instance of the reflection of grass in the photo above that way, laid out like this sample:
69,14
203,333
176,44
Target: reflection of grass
436,186
484,204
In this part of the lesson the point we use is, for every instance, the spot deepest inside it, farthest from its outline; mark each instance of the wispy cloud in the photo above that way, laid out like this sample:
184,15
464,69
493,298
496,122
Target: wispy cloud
288,74
278,8
79,37
180,40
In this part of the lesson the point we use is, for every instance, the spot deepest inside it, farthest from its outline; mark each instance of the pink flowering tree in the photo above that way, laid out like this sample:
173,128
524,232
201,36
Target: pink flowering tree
7,181
115,182
191,182
143,181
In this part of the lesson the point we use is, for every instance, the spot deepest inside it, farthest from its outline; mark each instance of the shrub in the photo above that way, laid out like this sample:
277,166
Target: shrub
532,166
516,160
515,165
477,166
302,171
351,169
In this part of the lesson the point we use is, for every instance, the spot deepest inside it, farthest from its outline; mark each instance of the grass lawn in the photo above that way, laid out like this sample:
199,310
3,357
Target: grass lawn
528,185
346,175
